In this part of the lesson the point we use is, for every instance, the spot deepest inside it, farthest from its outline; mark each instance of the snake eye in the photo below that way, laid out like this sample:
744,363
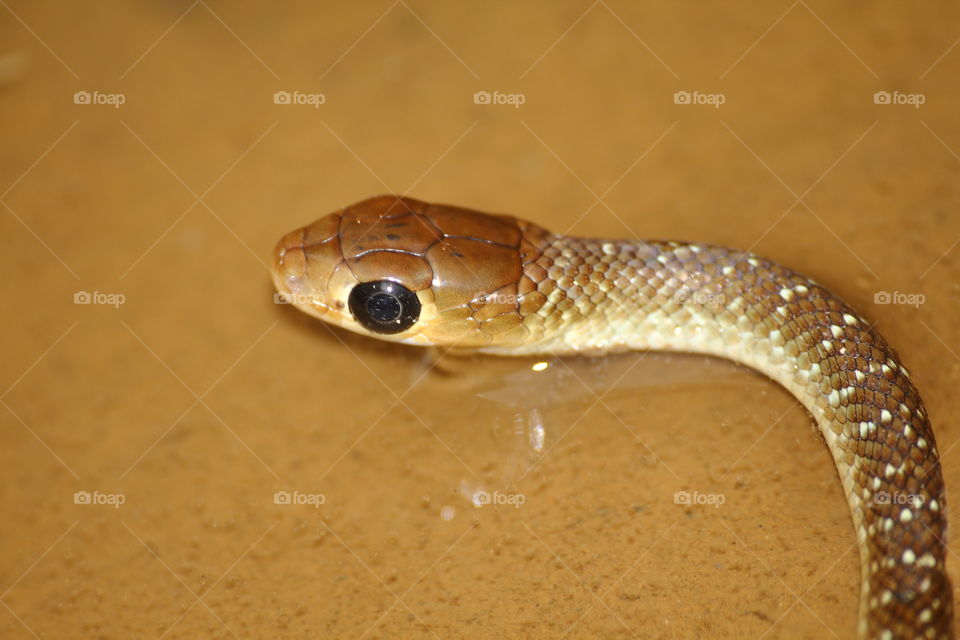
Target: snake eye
384,306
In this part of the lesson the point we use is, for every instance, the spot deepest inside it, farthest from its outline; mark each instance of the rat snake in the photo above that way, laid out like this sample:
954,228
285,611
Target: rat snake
405,270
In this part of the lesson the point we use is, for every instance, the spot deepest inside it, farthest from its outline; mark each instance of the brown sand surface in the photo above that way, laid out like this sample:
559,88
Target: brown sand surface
198,398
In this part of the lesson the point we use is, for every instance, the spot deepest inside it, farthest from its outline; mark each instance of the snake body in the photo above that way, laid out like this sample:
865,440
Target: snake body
498,284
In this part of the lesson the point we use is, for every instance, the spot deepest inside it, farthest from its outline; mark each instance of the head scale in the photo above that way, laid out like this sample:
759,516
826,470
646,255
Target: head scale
408,271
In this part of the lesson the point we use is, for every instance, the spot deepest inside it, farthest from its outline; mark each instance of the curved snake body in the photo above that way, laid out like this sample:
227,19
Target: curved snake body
501,285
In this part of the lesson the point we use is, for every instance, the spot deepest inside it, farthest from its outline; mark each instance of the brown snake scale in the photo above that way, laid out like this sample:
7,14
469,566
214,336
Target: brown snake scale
501,285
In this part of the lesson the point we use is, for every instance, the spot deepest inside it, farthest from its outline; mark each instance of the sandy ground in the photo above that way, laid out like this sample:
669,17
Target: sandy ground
182,398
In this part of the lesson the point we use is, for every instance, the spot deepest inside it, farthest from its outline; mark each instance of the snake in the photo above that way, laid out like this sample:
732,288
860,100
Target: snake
400,269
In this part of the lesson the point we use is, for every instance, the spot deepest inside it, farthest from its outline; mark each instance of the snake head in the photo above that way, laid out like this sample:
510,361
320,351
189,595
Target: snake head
407,271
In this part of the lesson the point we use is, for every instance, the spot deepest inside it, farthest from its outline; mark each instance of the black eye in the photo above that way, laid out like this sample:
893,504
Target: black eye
384,306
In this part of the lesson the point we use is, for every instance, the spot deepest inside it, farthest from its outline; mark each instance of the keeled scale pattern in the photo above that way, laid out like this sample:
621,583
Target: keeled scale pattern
608,295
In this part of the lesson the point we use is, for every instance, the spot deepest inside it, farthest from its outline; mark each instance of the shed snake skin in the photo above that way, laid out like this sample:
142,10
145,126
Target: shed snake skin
423,274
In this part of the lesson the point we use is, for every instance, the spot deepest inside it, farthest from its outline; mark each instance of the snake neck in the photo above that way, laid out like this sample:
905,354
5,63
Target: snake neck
600,296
